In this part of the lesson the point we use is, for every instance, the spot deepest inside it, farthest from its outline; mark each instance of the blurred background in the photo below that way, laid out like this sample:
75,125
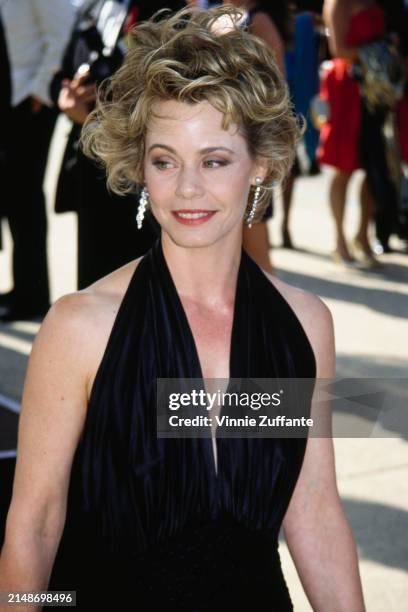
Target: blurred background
337,228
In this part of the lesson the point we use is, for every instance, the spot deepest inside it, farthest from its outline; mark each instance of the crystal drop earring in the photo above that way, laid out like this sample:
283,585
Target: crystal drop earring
254,206
144,196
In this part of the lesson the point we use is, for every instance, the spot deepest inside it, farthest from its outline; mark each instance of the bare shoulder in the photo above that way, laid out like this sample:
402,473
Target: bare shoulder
304,303
338,9
84,319
262,23
85,307
263,19
65,354
316,320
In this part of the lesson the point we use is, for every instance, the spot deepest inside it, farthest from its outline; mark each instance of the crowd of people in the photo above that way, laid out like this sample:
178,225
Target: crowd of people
54,56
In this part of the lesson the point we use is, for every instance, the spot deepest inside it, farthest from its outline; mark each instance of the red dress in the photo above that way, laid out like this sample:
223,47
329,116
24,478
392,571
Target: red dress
339,137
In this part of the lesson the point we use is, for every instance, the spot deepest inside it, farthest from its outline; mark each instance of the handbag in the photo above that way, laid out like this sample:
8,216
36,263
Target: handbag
380,72
319,108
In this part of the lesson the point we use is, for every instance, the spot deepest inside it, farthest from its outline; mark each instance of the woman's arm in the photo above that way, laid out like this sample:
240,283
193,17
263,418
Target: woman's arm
337,15
263,27
316,530
53,410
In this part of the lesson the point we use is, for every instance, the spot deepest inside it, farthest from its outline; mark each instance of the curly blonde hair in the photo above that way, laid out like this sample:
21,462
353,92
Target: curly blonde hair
185,57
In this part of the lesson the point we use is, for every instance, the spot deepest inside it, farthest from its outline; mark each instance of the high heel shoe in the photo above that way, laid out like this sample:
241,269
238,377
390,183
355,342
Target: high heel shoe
339,258
368,260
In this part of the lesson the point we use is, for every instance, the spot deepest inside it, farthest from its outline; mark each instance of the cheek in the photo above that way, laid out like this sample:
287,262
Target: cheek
232,194
158,188
160,197
234,186
147,172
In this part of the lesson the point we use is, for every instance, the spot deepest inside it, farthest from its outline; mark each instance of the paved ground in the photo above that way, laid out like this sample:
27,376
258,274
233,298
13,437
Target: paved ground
370,312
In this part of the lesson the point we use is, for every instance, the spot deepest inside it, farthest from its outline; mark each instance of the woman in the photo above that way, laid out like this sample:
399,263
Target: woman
202,121
271,23
274,24
348,140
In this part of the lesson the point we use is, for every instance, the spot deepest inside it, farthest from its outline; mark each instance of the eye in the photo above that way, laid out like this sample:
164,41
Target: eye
215,163
162,164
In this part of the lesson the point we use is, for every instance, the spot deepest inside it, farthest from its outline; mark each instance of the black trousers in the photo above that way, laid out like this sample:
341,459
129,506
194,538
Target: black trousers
373,157
24,204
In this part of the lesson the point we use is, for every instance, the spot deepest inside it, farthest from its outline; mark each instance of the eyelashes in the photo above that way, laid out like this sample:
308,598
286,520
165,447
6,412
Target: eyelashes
160,165
209,163
218,163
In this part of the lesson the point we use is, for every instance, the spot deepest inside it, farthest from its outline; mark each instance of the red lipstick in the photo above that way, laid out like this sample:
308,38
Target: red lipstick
187,216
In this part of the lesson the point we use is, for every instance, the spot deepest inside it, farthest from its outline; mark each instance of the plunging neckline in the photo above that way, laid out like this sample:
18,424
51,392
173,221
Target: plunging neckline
234,330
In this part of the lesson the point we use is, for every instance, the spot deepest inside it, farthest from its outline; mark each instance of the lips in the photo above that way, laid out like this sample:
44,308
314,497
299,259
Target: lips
193,217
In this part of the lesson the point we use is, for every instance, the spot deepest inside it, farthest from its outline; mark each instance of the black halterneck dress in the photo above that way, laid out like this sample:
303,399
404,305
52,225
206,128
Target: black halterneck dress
150,521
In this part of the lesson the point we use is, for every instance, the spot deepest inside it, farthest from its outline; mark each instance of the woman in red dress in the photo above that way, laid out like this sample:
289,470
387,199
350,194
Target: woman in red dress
351,24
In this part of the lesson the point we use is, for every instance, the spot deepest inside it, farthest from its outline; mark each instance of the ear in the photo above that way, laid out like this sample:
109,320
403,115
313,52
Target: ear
260,170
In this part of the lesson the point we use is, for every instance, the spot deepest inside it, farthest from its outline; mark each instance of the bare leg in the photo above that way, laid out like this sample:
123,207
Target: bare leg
287,201
338,191
256,244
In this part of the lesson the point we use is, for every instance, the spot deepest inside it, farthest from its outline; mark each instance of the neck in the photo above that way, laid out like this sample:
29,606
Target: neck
206,275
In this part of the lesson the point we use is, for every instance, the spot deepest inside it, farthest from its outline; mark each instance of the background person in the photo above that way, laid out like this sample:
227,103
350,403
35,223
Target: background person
36,33
301,68
352,137
270,22
107,232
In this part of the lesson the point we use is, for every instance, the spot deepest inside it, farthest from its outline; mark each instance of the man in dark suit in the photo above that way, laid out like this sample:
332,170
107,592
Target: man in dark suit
107,231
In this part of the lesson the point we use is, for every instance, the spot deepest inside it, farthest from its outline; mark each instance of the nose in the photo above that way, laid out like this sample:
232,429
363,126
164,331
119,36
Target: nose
189,184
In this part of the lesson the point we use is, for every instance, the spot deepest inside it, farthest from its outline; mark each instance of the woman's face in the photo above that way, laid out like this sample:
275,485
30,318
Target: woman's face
198,175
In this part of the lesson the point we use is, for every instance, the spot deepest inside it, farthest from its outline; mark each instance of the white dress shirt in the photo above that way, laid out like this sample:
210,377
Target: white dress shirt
36,32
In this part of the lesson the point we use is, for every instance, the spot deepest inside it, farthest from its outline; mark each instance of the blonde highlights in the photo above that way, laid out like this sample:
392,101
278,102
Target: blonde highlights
182,57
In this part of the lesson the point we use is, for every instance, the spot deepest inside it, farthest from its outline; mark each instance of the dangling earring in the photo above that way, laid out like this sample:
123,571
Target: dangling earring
254,206
142,207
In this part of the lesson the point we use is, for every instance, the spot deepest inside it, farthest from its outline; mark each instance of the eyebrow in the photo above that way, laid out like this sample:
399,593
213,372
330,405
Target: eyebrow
205,150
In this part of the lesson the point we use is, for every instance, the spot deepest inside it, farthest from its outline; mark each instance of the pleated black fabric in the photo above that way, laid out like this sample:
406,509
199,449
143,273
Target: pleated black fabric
150,521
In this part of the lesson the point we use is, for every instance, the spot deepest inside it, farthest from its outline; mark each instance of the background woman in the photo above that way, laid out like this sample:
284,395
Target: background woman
270,22
351,139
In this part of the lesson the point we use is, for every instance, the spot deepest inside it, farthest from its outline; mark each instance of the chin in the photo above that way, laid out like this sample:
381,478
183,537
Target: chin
190,240
202,236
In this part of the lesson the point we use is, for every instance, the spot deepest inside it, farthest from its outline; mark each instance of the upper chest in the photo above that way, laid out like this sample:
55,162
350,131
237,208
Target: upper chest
211,329
225,339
